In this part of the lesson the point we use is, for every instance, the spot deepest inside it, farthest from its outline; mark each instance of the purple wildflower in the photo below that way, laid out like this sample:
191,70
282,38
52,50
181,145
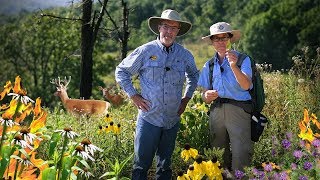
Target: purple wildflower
283,175
316,143
289,135
286,143
307,165
258,174
302,143
293,166
297,154
303,178
268,167
239,174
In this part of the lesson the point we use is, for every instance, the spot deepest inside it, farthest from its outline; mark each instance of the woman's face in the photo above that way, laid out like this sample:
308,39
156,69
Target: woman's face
168,32
220,42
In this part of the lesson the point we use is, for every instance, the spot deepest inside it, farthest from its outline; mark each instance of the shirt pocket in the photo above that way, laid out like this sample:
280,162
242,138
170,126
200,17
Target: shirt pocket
153,72
178,74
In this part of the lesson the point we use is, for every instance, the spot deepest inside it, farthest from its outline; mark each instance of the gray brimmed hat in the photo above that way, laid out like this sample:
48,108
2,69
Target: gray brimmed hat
171,15
220,28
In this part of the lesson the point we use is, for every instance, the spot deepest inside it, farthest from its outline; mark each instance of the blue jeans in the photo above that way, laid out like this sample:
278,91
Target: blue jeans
151,140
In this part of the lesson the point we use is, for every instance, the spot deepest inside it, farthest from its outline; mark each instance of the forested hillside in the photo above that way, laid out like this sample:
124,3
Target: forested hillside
40,48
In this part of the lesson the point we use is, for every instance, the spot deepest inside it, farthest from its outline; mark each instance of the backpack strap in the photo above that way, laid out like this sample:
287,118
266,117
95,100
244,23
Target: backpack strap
241,57
211,64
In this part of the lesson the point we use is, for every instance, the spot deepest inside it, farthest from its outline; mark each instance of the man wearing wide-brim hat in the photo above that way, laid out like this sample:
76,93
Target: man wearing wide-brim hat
225,85
163,67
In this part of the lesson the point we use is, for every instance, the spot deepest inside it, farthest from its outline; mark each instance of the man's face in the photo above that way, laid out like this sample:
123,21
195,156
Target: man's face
168,32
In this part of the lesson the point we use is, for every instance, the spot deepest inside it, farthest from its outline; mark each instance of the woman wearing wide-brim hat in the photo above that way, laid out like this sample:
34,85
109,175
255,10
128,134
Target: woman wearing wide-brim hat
163,67
226,85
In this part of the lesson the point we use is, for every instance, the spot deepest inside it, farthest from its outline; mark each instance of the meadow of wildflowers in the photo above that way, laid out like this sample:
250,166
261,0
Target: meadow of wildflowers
41,143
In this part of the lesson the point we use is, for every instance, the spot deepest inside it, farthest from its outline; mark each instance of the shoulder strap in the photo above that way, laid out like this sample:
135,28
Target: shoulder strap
240,59
211,64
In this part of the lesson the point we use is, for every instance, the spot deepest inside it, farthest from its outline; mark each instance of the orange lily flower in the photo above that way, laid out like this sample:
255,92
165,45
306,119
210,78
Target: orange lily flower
17,87
37,108
6,90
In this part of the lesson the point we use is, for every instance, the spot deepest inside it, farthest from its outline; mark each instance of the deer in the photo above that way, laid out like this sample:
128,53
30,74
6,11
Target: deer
79,107
116,99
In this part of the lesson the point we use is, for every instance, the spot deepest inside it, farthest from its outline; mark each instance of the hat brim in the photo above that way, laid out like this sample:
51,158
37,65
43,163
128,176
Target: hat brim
153,23
236,36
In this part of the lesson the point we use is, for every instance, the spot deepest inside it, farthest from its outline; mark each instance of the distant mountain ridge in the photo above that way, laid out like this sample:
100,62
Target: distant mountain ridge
11,7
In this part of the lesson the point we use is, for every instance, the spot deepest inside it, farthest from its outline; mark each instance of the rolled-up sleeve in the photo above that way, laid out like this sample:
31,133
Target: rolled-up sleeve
126,69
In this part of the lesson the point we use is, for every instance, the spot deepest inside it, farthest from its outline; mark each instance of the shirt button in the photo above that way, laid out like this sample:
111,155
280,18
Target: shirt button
166,93
165,104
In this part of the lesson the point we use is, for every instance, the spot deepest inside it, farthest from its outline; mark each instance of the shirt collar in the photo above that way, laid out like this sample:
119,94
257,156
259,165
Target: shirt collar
171,48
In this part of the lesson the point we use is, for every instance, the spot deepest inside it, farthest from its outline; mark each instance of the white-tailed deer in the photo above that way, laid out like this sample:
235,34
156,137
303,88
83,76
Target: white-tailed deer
116,99
79,106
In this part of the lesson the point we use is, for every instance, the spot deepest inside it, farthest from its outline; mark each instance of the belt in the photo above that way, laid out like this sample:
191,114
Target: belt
245,105
231,101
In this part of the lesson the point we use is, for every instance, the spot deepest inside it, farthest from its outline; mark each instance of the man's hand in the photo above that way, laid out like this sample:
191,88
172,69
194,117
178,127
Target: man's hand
183,105
140,102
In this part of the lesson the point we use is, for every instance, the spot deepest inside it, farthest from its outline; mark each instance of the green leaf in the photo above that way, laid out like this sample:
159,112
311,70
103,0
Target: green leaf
5,154
49,174
124,162
53,143
107,174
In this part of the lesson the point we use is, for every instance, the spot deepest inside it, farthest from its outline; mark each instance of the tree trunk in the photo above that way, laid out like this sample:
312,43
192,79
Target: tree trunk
86,51
125,33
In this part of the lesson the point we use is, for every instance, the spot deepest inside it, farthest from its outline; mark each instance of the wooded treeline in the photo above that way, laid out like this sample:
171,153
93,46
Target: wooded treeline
39,48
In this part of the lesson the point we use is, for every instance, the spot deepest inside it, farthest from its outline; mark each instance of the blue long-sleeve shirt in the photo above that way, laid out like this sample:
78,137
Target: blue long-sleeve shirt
162,75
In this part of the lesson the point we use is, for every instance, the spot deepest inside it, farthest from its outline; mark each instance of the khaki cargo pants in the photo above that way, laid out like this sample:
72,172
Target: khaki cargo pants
230,128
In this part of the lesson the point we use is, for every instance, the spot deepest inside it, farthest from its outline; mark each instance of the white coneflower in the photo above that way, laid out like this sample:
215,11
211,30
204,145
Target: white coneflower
89,147
301,80
67,131
23,161
27,136
79,151
8,122
86,173
24,99
19,141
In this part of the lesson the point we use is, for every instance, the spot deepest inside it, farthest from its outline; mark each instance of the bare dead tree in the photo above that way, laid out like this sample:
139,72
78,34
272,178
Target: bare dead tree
123,32
89,31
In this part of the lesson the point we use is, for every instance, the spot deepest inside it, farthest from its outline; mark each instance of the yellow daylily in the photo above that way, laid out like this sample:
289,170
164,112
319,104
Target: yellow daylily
24,112
8,114
305,133
38,123
6,90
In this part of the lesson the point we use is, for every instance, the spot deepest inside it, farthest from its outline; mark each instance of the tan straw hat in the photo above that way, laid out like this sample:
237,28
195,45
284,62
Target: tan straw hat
220,28
171,15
